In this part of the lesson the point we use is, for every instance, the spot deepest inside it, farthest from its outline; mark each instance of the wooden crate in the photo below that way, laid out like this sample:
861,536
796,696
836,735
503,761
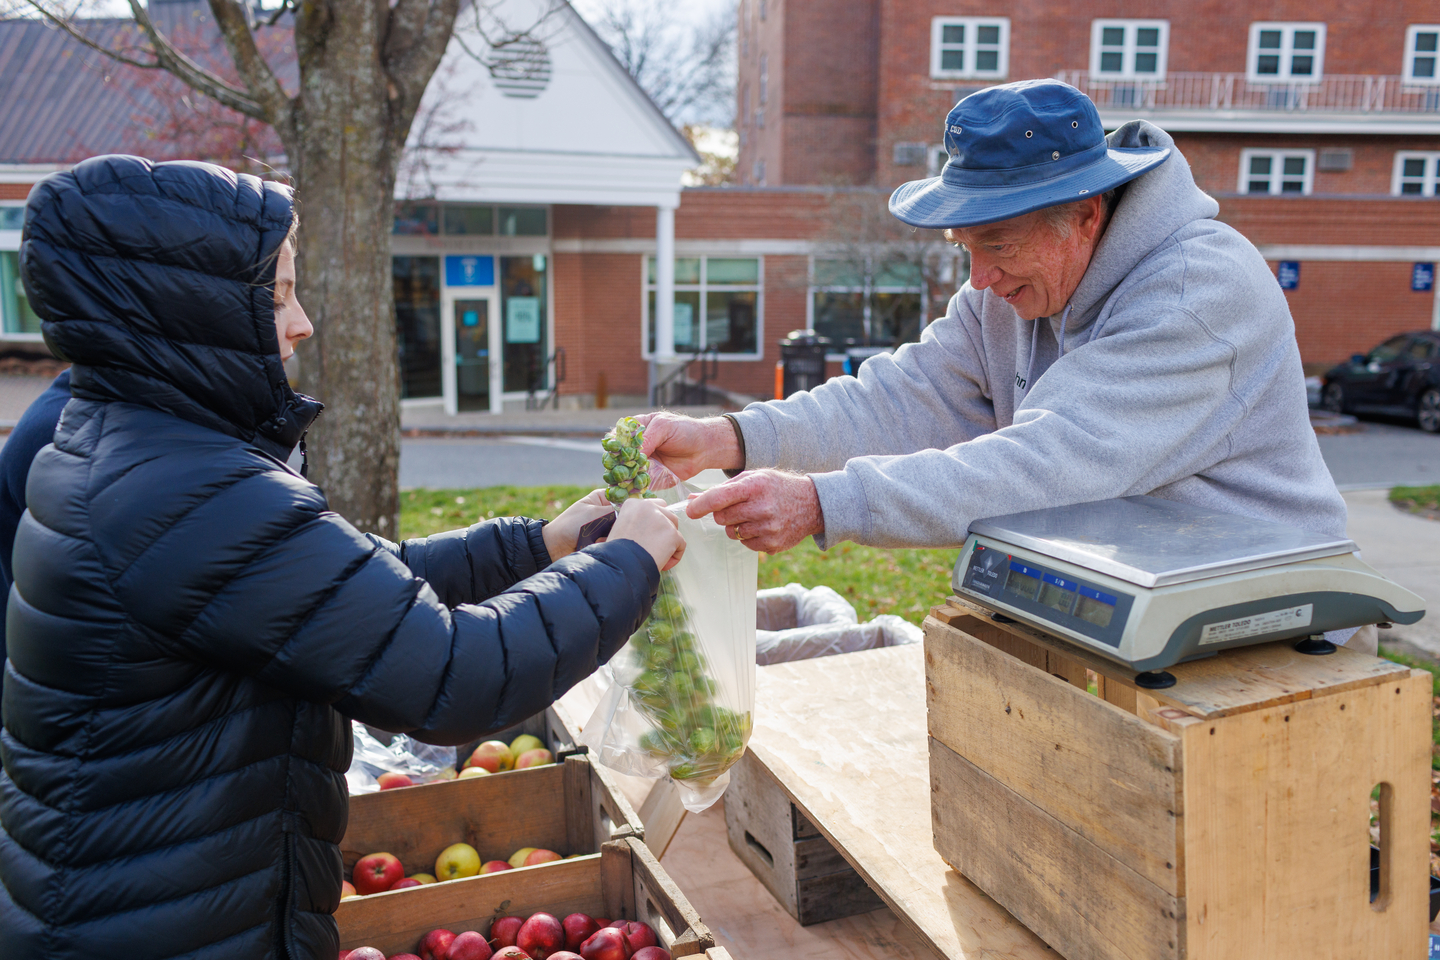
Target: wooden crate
1225,817
568,807
806,874
622,881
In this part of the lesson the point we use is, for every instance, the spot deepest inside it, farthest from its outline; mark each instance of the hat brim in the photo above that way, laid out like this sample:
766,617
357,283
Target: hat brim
938,204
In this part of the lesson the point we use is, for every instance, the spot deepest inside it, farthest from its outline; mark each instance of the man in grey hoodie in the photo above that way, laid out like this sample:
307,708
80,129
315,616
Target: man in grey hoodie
1094,353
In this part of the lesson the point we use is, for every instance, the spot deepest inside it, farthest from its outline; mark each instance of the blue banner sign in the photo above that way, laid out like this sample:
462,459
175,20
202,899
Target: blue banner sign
1288,274
1422,277
469,271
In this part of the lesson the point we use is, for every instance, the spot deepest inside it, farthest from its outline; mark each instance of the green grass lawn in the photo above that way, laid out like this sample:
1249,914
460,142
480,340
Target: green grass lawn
1413,497
903,582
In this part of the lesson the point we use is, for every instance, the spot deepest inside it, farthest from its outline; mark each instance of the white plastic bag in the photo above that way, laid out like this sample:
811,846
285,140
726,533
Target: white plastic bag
799,623
421,762
680,696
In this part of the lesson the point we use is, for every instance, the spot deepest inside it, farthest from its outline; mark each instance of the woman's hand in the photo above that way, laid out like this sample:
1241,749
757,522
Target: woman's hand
648,523
560,534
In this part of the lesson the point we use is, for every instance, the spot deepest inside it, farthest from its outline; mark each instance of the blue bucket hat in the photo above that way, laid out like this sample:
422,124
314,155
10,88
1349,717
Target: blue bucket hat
1016,148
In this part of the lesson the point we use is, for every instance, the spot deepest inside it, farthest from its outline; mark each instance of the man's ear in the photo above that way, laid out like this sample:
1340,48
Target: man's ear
1092,218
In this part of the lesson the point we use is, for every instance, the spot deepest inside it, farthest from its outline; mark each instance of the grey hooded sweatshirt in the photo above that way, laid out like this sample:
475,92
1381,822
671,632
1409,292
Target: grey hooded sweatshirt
1173,372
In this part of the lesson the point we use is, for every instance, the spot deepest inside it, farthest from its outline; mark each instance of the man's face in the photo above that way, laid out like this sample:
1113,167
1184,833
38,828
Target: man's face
1026,263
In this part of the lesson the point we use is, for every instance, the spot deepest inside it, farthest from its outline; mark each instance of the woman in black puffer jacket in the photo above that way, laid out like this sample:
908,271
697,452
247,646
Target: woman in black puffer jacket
190,627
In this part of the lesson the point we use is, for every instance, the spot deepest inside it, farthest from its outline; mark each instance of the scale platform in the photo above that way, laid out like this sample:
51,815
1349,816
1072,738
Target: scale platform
1150,582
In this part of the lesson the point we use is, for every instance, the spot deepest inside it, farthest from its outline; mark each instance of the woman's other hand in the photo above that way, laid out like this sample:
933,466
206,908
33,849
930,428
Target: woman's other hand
561,533
648,523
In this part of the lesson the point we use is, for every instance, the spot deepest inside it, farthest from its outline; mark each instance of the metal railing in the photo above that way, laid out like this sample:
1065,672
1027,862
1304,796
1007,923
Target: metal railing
678,390
1233,91
554,367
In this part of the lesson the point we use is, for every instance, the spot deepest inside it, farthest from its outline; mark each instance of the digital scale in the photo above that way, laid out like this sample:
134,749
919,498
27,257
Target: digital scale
1150,582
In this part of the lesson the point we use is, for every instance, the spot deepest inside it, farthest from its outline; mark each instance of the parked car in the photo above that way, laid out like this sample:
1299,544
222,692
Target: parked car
1400,377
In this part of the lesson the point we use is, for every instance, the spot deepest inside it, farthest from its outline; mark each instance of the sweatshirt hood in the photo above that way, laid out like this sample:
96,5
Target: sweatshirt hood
1153,207
156,280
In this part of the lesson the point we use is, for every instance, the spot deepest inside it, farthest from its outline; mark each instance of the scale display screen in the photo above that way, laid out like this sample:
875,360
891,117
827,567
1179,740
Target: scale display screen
1039,591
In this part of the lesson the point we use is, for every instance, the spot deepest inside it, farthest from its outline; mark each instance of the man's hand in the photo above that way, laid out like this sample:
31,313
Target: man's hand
767,510
680,447
560,534
648,523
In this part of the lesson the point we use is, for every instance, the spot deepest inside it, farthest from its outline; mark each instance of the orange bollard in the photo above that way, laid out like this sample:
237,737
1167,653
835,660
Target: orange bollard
779,380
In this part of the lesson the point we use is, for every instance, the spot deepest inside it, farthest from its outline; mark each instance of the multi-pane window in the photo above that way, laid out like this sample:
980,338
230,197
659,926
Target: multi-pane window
428,219
15,313
1277,171
1128,49
866,303
1415,174
717,305
1293,52
1422,53
969,47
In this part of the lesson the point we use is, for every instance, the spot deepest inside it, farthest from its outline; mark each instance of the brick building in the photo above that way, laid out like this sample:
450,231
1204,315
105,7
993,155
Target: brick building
1315,124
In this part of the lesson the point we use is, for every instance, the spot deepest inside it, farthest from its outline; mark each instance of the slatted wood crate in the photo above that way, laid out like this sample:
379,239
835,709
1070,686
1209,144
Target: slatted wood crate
801,868
1225,817
622,881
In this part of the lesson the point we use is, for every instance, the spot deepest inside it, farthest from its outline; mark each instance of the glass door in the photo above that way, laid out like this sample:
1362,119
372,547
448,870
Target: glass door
472,354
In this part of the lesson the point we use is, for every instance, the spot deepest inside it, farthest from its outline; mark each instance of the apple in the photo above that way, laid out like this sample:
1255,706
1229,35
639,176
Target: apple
603,921
637,934
472,772
389,781
493,756
504,931
541,936
566,955
344,955
578,928
436,944
525,742
422,877
347,890
403,956
541,856
607,943
365,953
494,866
376,872
510,953
403,883
456,861
467,946
534,758
651,953
517,859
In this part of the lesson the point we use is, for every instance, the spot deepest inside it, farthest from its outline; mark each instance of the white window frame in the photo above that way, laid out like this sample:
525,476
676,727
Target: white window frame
1429,180
937,47
1278,158
1408,71
1286,51
704,287
1128,49
867,288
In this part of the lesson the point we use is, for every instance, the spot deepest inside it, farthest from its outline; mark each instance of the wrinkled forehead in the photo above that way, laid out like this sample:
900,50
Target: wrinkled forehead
1002,231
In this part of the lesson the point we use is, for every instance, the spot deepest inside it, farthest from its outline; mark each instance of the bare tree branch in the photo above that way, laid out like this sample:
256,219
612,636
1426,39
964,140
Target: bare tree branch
414,46
263,87
69,29
192,73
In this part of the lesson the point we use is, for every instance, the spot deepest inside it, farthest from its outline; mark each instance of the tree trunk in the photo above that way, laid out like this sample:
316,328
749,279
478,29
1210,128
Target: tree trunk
343,154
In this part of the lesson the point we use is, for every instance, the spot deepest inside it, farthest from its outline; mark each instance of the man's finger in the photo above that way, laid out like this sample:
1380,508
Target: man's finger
716,498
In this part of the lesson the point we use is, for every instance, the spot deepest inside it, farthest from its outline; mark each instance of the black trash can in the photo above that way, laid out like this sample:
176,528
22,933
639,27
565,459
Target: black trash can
802,355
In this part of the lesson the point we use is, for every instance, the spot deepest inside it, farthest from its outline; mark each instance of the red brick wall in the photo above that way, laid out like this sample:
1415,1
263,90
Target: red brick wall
14,191
1391,221
597,321
1342,308
830,57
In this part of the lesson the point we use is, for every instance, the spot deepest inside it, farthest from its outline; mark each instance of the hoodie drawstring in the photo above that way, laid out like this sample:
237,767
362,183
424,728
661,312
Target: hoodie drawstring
1064,318
304,459
1035,341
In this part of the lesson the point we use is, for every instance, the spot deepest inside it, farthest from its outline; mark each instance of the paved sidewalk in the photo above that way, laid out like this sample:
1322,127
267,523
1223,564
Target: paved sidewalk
17,393
432,420
1405,548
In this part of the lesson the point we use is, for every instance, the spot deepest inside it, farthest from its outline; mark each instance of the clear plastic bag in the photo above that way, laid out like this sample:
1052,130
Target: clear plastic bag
680,696
421,762
799,623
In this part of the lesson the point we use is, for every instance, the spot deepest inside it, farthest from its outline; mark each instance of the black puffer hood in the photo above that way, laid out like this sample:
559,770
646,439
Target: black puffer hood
157,281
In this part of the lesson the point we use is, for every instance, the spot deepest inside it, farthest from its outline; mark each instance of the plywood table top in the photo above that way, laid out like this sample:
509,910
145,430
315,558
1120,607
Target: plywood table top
846,738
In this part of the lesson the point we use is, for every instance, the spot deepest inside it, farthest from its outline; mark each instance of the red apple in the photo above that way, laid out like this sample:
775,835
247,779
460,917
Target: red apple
403,956
347,889
436,944
505,930
493,756
541,856
637,934
494,866
389,781
365,953
376,872
603,921
467,946
510,953
649,953
607,943
404,882
566,955
534,758
578,929
541,936
344,955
